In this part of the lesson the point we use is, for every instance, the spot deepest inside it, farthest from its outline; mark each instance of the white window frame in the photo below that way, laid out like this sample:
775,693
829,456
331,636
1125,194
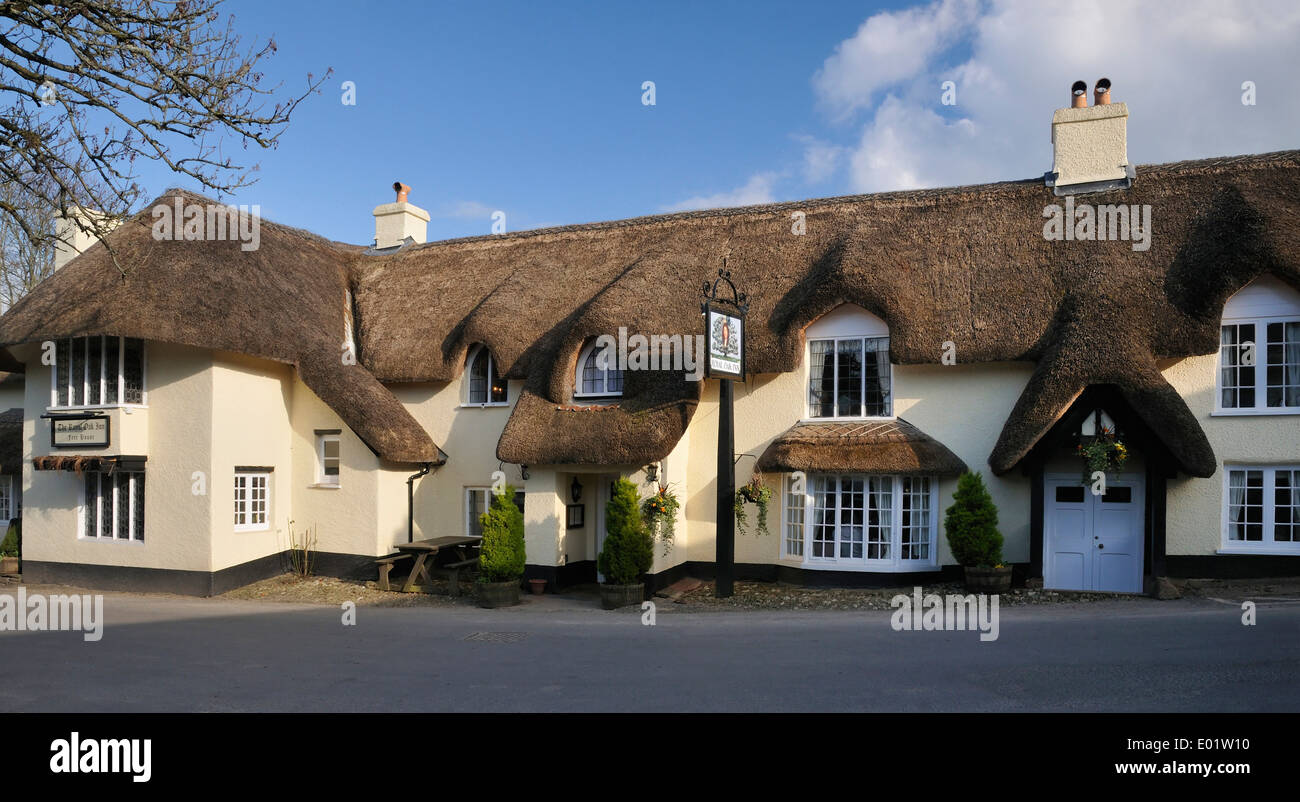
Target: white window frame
845,322
1265,300
131,536
245,513
7,508
578,392
469,401
1267,545
323,479
792,502
487,504
895,564
835,345
470,513
103,379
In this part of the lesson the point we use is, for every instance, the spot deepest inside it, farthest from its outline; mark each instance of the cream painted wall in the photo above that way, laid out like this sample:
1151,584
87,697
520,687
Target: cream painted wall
177,522
251,406
469,436
344,519
961,406
1195,506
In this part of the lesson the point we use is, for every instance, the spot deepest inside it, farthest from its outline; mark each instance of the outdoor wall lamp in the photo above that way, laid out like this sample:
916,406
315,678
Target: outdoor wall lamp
652,473
575,490
523,472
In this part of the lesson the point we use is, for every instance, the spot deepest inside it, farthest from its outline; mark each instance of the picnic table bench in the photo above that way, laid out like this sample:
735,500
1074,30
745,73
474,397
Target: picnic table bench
425,552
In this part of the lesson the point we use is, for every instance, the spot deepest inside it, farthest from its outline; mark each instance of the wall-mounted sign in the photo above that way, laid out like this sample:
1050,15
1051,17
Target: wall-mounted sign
726,336
79,432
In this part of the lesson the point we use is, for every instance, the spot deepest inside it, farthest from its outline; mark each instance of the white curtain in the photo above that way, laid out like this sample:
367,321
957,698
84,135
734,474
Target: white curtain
1236,505
1291,366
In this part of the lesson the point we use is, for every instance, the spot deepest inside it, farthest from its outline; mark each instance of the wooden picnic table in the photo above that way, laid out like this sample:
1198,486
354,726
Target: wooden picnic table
425,550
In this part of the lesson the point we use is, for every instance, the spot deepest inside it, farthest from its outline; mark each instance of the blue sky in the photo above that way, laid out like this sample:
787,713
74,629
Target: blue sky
535,108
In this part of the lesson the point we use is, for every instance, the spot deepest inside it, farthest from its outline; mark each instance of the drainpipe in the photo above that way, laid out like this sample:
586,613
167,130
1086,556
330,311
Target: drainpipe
410,500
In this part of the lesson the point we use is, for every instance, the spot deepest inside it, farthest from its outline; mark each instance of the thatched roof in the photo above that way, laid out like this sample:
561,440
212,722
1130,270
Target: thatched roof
11,441
283,301
871,447
968,265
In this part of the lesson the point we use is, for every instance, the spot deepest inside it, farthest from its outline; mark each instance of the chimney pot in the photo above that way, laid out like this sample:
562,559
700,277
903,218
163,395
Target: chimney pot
1079,95
1101,92
399,221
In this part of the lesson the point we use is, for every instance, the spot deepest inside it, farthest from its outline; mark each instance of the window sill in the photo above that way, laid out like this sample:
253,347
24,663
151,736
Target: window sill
1270,551
324,486
95,408
486,406
907,568
120,541
1254,413
858,419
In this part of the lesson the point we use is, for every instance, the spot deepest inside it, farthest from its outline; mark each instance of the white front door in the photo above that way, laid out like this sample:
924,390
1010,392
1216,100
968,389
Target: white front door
1093,542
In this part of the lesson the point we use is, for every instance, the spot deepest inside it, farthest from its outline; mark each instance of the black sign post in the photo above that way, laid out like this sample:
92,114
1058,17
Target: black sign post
724,320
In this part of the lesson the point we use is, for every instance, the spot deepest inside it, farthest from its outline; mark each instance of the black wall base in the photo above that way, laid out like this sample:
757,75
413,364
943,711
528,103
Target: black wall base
192,583
1231,566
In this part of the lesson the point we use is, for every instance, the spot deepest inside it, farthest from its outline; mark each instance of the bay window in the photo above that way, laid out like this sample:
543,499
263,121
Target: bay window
97,371
859,522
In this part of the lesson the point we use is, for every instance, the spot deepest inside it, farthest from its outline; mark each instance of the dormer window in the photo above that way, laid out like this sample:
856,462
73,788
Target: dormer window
1259,350
598,373
486,386
849,375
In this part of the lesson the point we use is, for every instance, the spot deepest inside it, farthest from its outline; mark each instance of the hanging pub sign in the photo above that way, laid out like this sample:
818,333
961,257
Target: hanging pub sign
726,343
79,432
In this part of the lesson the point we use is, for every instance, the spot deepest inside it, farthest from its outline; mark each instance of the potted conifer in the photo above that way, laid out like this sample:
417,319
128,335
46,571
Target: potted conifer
628,551
10,547
971,524
501,555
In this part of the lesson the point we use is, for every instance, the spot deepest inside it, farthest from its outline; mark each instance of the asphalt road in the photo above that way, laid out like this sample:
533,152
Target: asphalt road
161,654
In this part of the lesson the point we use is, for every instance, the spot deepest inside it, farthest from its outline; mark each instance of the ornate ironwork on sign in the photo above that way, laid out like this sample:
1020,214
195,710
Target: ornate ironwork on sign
724,328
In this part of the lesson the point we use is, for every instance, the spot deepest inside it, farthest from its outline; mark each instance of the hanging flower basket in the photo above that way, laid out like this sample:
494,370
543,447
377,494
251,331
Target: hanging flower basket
756,493
660,515
1103,452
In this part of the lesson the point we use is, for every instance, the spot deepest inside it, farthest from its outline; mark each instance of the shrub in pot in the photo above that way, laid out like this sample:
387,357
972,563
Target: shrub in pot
628,551
501,555
971,524
10,547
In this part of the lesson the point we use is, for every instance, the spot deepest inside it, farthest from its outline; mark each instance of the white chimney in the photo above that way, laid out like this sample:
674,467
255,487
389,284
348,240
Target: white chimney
395,222
1090,143
71,240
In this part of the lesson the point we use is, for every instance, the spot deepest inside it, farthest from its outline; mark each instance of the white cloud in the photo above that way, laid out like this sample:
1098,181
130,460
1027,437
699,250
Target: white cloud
820,159
890,47
757,190
1179,67
466,210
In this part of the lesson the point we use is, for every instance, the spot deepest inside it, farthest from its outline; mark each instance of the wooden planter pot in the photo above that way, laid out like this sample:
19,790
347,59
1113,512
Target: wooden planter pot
988,580
498,594
8,565
614,596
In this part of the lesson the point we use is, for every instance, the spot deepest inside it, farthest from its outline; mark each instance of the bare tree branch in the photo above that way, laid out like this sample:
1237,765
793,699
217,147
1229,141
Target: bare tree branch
88,87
